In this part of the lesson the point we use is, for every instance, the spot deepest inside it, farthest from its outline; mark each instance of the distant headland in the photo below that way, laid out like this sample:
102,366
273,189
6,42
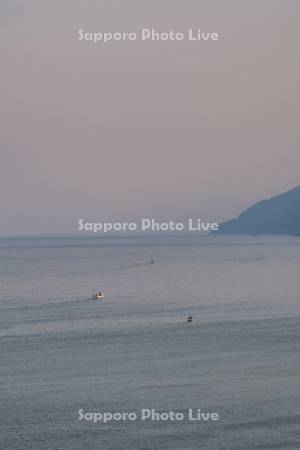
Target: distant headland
278,215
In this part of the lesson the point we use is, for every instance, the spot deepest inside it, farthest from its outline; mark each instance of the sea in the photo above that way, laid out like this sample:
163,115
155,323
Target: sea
67,361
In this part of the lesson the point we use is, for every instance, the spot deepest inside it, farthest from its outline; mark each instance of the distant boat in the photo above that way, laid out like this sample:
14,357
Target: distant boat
98,296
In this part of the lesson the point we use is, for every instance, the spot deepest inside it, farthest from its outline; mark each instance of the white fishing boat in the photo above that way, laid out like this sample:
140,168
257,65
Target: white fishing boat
98,296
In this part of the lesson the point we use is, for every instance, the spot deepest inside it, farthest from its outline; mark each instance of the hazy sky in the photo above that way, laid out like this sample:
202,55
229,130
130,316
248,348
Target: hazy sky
131,129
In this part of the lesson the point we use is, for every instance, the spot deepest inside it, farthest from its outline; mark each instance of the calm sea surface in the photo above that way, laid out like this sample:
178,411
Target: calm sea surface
62,351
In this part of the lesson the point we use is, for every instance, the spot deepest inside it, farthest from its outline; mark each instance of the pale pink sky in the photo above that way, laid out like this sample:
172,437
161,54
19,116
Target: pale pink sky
133,129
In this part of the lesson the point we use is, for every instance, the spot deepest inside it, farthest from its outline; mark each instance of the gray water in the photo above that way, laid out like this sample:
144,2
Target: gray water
62,351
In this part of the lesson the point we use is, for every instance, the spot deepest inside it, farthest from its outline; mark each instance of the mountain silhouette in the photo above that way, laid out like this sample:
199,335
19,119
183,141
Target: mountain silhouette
277,215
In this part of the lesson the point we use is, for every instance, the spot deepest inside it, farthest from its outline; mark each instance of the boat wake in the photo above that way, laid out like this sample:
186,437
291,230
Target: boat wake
135,266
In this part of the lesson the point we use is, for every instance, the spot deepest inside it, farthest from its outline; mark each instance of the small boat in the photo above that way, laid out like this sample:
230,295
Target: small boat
190,318
98,296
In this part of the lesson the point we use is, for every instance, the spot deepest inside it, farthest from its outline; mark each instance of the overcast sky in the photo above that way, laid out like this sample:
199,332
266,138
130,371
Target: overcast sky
137,129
